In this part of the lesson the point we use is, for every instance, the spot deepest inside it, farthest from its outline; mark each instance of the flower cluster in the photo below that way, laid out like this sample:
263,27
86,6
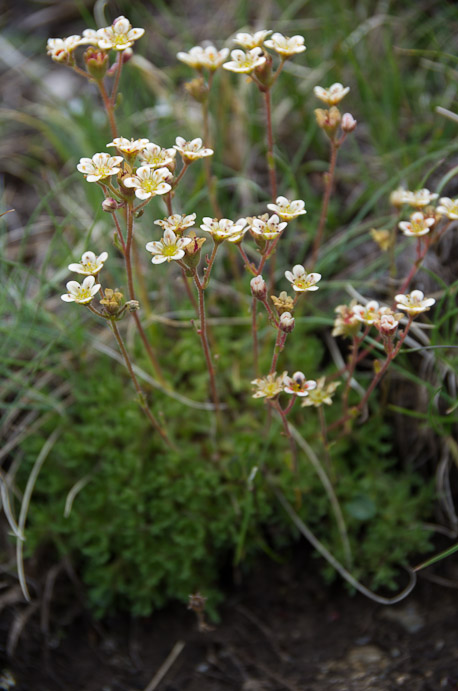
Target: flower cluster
119,36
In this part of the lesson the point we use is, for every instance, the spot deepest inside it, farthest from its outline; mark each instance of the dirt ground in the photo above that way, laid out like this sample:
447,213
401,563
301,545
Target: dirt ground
281,628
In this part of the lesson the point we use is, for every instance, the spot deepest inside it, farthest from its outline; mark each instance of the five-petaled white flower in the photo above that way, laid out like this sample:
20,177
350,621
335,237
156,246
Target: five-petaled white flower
90,264
156,157
129,146
418,225
224,229
83,293
177,222
245,62
448,207
414,303
286,46
321,394
287,209
269,229
192,150
301,280
99,167
250,41
298,384
368,313
61,49
169,248
419,198
148,182
333,95
208,56
119,36
269,386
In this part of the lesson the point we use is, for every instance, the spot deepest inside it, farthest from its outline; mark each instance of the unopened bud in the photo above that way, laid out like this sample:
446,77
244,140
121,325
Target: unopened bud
258,287
112,301
286,322
193,250
328,120
109,205
348,123
133,305
96,61
198,89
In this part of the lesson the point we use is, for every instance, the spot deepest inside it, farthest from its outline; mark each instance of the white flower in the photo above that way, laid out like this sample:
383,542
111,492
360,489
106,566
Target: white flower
156,157
419,198
388,323
398,196
269,229
250,41
207,56
321,394
83,293
191,151
368,313
168,248
177,222
245,62
333,95
149,182
301,280
119,35
286,209
448,207
90,37
61,49
286,46
414,303
99,167
129,146
418,225
298,384
90,264
224,229
270,386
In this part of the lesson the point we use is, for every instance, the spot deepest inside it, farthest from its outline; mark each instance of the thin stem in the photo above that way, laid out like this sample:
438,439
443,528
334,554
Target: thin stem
204,338
189,291
325,204
119,231
130,284
420,256
141,395
279,343
248,265
324,439
210,264
207,142
378,376
288,434
272,316
254,328
108,107
114,91
182,172
270,146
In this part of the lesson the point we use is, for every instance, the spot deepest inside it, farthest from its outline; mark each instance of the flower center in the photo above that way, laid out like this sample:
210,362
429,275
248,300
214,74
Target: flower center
169,250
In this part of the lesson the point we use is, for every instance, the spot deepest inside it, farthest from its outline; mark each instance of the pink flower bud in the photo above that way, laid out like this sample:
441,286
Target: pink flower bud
258,287
286,322
109,205
348,123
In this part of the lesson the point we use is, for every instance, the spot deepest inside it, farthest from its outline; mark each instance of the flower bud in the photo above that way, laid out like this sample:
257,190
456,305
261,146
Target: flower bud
96,61
112,301
286,323
282,302
348,123
328,120
258,287
109,205
197,89
192,250
133,305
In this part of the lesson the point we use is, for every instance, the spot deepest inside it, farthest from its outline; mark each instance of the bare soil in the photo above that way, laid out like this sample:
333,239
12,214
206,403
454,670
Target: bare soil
281,628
